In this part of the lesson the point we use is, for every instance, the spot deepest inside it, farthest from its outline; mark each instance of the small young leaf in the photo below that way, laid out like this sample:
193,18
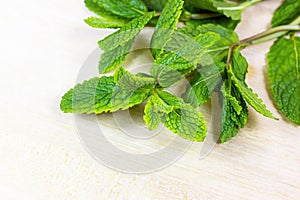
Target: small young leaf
286,13
252,98
124,8
219,50
240,65
191,52
237,72
234,111
126,33
179,117
202,84
152,118
165,75
284,75
183,59
118,44
129,82
155,111
166,25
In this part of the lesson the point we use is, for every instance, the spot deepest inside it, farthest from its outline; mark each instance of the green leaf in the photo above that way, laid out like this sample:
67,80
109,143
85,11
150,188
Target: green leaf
286,13
104,94
118,44
165,75
129,82
219,50
232,10
229,9
203,4
152,118
284,75
179,117
192,52
155,111
237,72
126,33
183,59
99,22
202,84
234,111
113,58
93,6
124,8
187,122
166,25
252,98
240,65
92,96
222,21
157,5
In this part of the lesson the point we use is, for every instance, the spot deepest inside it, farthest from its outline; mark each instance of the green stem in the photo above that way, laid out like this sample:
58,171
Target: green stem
269,34
186,16
265,36
241,6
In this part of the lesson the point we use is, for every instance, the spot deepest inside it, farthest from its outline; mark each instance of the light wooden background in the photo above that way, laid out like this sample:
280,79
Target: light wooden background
43,45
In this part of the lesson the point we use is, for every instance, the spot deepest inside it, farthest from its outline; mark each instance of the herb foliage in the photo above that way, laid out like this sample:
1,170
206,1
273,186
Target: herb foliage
206,51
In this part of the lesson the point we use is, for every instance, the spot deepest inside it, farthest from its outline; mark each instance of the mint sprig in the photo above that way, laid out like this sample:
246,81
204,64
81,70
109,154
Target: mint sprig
204,49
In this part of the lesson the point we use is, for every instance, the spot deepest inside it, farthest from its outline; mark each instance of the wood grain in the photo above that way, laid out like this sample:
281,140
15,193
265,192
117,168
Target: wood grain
43,44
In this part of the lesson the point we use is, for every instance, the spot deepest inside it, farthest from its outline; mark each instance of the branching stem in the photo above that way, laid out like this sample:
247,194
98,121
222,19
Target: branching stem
265,36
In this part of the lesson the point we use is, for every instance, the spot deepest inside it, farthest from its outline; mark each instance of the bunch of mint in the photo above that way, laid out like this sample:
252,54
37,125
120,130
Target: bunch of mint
205,50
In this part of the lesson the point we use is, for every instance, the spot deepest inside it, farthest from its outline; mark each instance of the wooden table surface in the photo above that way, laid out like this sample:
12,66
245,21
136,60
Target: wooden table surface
43,46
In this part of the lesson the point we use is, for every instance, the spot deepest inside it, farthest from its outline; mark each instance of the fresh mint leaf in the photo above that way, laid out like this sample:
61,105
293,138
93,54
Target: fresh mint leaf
126,33
219,50
222,21
165,75
92,96
113,58
124,8
157,5
202,84
100,22
229,9
234,111
286,13
183,59
105,94
252,98
284,75
165,26
203,4
95,7
130,82
155,111
118,44
179,117
240,65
